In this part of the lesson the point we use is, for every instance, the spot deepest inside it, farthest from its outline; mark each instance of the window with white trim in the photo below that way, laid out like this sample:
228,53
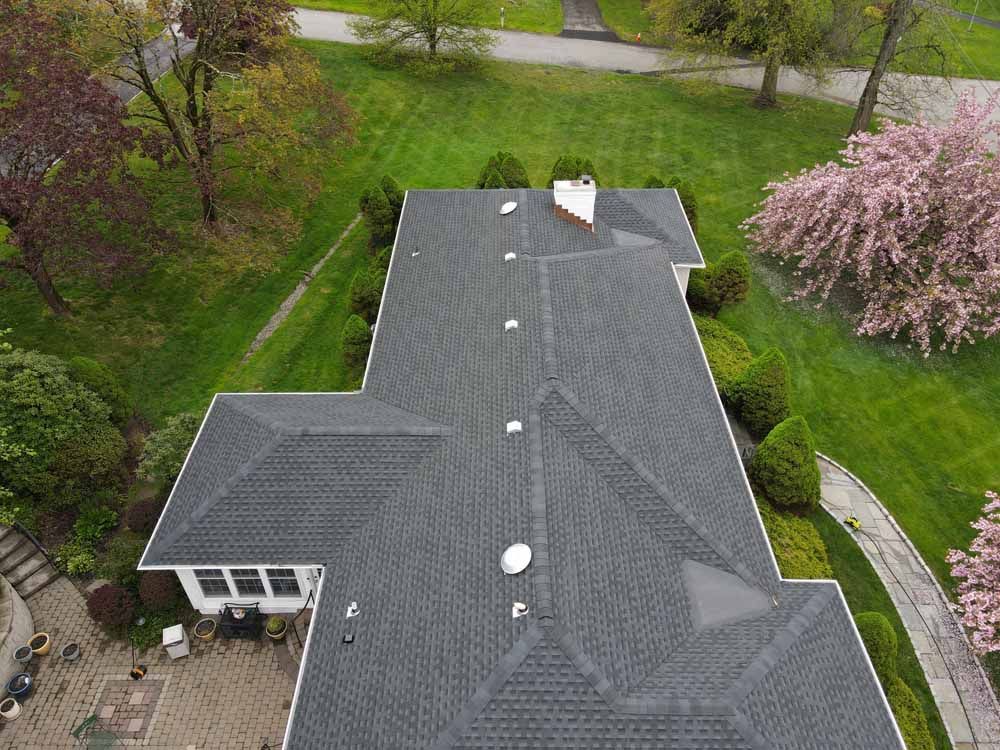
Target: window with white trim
248,581
283,582
213,582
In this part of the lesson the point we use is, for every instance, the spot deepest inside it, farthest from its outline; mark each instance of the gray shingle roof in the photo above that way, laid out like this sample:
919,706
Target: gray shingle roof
657,618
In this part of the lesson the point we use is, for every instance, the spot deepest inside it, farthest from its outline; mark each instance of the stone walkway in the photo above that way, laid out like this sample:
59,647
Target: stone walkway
582,19
967,705
226,694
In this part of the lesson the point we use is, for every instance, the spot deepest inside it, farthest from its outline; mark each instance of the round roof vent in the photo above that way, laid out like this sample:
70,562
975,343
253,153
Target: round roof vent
515,558
507,208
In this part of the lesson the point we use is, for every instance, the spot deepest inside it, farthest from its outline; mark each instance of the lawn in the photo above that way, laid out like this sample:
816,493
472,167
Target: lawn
982,8
541,16
864,592
922,433
625,17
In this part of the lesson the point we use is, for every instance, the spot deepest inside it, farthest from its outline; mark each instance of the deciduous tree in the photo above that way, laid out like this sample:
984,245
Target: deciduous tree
66,196
908,220
978,571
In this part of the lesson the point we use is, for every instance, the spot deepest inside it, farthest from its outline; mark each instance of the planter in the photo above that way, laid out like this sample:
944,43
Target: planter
70,652
205,629
19,686
23,654
276,628
10,709
40,644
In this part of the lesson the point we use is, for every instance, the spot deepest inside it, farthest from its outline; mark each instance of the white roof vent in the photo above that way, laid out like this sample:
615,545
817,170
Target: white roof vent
515,559
513,426
510,256
507,208
509,325
574,200
520,609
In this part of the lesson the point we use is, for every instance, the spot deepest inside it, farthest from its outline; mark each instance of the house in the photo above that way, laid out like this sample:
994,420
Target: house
535,379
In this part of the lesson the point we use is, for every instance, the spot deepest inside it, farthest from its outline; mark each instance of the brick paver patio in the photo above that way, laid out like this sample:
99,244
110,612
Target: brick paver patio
226,694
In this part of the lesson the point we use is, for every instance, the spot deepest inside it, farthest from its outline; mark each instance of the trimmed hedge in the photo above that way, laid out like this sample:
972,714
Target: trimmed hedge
653,182
366,294
909,716
503,170
355,339
730,279
727,353
102,381
569,167
761,395
688,201
881,643
494,181
699,294
784,466
797,545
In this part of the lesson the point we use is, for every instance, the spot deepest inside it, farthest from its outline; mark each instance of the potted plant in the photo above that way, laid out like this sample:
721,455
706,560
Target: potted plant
70,652
23,654
276,627
19,686
204,629
10,709
40,643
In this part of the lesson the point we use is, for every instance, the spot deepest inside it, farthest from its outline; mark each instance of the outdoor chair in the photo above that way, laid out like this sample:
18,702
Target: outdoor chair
92,734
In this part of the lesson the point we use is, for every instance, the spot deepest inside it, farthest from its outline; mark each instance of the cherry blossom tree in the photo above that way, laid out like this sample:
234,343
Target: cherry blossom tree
910,221
979,571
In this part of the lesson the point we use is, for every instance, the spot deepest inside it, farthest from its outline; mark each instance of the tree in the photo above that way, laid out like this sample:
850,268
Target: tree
908,222
978,571
761,394
67,199
569,167
233,80
379,215
427,30
779,32
784,466
167,448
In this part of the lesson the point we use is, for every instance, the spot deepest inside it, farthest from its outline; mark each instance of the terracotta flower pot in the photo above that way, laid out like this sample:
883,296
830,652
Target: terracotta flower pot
40,644
205,628
10,709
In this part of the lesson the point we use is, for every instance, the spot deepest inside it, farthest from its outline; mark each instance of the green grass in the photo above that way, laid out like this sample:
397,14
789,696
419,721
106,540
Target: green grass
984,8
922,433
540,16
625,17
864,592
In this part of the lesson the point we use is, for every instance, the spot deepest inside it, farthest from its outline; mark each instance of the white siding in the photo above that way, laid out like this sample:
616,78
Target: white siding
682,273
308,580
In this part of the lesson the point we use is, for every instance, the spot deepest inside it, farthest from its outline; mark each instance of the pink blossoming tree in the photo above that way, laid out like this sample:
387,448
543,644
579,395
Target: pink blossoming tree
979,590
910,221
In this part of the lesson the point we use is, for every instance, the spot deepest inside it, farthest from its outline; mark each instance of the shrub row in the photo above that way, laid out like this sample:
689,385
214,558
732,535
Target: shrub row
798,547
725,282
727,353
882,645
503,170
784,466
381,206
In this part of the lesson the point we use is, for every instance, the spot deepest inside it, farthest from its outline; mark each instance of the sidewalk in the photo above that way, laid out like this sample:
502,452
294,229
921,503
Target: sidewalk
967,705
932,97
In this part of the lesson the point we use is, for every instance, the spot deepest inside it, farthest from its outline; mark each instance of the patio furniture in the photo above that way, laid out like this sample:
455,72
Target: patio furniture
241,620
92,734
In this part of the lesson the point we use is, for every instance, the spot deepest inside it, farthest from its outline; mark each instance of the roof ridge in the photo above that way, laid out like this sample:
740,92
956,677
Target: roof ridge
540,567
771,655
602,430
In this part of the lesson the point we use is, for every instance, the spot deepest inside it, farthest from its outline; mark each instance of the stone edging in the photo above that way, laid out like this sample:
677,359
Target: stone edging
916,555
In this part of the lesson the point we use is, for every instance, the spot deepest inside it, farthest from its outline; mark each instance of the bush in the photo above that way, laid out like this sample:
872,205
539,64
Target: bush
494,180
881,644
119,562
761,395
165,450
688,202
379,215
93,524
141,516
654,182
158,589
87,463
366,294
798,547
379,265
395,195
727,353
102,381
355,339
75,557
730,279
699,291
572,168
784,466
909,716
503,170
111,605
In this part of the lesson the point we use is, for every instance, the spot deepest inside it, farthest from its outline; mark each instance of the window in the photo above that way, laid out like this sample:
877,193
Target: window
248,582
283,582
213,582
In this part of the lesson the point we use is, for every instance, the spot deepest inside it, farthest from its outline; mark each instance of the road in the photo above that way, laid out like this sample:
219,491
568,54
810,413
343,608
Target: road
933,98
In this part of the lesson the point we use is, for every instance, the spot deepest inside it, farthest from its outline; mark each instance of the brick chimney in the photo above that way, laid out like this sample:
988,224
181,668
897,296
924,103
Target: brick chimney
574,200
